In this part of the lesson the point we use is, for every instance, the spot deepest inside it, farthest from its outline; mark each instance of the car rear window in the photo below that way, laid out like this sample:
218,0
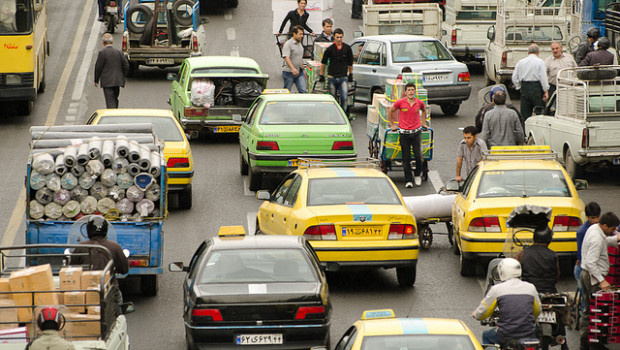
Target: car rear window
417,342
523,183
419,51
257,266
302,112
225,70
351,190
165,128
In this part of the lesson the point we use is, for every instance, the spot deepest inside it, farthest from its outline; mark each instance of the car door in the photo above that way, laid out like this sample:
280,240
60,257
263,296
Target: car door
269,213
371,69
291,222
462,203
191,276
246,132
175,93
347,340
285,205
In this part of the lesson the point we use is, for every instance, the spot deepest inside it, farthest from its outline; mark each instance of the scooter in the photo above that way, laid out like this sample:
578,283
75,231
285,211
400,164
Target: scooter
111,17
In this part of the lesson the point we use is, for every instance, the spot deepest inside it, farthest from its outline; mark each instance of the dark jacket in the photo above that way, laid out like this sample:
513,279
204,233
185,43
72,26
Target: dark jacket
582,50
600,56
111,67
99,259
322,38
540,267
296,19
339,60
490,106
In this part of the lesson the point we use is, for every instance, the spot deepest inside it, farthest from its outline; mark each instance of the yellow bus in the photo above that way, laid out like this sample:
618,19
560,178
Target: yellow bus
23,50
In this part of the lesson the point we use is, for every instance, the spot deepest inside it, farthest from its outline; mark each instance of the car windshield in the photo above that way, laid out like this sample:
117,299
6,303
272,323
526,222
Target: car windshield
351,190
533,33
523,183
15,17
302,112
165,128
419,51
417,342
257,266
225,70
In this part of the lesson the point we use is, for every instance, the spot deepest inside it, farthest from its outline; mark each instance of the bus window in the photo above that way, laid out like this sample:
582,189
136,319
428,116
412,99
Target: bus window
15,16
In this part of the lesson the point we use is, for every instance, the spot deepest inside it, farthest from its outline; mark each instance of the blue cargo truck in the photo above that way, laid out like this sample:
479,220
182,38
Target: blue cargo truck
142,235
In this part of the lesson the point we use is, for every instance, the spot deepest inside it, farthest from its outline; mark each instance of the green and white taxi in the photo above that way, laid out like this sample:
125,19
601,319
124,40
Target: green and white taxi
280,128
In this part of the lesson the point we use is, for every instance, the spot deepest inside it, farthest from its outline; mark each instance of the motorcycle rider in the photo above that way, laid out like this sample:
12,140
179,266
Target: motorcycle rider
49,322
518,303
588,45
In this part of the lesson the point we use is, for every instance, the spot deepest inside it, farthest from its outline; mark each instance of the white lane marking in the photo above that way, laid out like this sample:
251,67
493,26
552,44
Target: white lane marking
231,34
235,51
228,15
88,57
435,178
481,282
246,187
348,1
15,220
251,223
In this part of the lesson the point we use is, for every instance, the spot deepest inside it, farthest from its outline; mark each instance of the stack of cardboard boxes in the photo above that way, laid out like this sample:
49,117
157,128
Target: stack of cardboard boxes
604,325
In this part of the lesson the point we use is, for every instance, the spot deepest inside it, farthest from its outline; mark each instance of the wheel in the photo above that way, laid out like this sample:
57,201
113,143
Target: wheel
25,107
573,169
111,23
185,198
137,13
455,247
426,237
256,178
232,3
257,231
243,165
530,140
450,108
487,79
149,285
133,69
41,86
424,170
406,276
450,228
182,12
468,267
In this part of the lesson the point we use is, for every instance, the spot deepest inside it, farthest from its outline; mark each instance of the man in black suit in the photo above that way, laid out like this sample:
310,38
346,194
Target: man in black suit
110,70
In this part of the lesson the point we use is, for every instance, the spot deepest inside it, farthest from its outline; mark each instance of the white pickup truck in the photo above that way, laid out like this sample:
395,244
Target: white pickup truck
419,19
519,24
581,121
465,28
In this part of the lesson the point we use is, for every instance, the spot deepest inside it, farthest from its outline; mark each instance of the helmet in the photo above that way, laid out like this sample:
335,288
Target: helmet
603,43
593,33
97,226
50,318
496,89
543,235
509,268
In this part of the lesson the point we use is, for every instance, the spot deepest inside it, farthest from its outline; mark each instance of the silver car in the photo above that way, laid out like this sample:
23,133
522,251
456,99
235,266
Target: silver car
381,57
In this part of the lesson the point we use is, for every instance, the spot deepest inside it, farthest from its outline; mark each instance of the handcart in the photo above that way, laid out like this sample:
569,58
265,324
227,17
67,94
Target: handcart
429,210
322,88
307,41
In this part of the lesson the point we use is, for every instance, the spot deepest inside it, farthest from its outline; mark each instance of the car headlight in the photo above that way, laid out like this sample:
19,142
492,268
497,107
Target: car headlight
13,79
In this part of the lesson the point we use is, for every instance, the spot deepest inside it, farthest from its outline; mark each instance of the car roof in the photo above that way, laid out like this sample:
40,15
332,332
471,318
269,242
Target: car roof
258,242
138,112
521,164
398,38
298,97
223,61
399,326
315,173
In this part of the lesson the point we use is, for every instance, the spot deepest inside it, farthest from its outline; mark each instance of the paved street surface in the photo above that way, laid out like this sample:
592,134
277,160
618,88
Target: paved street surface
220,193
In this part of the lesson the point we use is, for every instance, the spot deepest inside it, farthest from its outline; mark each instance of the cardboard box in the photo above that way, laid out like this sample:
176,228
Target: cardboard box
70,278
8,317
36,278
92,279
75,301
92,296
46,299
4,288
93,310
14,335
85,327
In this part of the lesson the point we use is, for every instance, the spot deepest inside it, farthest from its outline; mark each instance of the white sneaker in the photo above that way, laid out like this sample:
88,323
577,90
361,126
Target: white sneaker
418,181
409,185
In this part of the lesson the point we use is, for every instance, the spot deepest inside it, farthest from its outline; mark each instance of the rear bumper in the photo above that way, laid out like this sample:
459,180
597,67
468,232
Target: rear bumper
179,179
470,52
207,124
178,56
595,156
387,254
279,163
450,93
18,93
476,246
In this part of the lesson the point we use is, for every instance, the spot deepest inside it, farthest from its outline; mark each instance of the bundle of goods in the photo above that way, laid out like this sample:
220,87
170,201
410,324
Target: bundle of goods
224,92
613,277
94,169
430,206
604,325
246,92
203,92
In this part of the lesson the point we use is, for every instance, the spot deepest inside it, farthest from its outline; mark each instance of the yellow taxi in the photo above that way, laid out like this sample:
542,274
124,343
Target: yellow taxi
178,154
507,177
350,212
380,329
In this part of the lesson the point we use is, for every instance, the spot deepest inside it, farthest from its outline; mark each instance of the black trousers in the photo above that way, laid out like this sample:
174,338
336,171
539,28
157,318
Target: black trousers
111,96
356,9
552,89
407,142
531,96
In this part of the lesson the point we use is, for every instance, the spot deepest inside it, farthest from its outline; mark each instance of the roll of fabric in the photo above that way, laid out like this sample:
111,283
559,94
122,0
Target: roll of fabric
155,164
87,181
88,205
122,147
120,165
70,156
60,168
133,169
37,181
107,128
145,159
153,192
82,154
108,178
95,145
106,204
44,196
79,194
134,152
52,181
60,143
68,181
53,210
98,190
37,210
145,207
116,193
107,153
125,206
124,181
71,209
62,197
134,194
43,163
78,170
94,167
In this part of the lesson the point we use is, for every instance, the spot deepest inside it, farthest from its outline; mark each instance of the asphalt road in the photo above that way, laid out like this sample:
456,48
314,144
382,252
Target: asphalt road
220,193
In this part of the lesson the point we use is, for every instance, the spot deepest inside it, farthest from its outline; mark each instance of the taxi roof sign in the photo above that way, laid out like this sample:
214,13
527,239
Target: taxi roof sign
520,152
375,314
228,231
275,91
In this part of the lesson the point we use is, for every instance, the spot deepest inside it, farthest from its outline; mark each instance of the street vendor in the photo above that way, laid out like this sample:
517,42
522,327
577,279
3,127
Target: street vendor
411,120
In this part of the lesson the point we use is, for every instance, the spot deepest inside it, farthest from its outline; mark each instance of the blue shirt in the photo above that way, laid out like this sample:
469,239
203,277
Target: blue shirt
581,232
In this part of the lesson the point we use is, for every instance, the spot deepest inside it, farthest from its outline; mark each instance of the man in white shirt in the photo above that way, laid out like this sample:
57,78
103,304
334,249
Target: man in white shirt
558,60
530,76
595,264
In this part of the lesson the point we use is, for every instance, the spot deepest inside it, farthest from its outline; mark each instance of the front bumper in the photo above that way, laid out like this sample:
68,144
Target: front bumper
18,93
449,93
386,254
279,163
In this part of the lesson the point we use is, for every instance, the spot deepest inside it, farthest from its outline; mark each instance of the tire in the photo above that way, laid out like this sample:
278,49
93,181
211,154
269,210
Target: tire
179,15
450,108
256,178
573,169
450,228
133,69
597,74
243,165
147,14
455,247
231,4
376,90
530,140
185,198
468,267
406,276
426,237
149,285
42,85
111,23
25,107
257,230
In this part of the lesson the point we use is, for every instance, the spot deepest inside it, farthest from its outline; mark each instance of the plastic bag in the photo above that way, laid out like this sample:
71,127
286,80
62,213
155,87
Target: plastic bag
98,190
224,92
71,209
116,192
246,92
68,181
52,182
37,181
145,207
88,205
105,205
203,92
53,210
44,196
134,194
37,210
79,194
62,197
87,181
124,180
125,206
153,192
44,163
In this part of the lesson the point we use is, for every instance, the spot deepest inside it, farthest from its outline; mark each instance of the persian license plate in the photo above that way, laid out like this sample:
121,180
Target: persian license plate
160,61
258,339
547,317
362,231
111,9
226,128
293,162
436,77
617,161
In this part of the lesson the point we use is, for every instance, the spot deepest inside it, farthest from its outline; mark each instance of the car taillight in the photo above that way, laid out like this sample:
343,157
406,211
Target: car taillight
464,76
214,314
342,146
320,232
401,231
178,163
453,36
399,77
504,63
485,224
310,312
566,223
134,262
124,44
267,146
195,112
195,43
585,138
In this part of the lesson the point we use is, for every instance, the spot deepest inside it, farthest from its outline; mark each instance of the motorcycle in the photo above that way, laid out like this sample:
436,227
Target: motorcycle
111,17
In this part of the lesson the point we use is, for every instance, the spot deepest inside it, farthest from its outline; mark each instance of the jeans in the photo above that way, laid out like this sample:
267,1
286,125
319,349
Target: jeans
299,80
340,86
577,273
407,142
356,9
490,336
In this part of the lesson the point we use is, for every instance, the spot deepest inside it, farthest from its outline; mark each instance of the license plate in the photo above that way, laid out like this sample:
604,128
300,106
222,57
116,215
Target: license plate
293,162
362,231
226,128
258,339
160,61
547,317
111,9
436,77
617,161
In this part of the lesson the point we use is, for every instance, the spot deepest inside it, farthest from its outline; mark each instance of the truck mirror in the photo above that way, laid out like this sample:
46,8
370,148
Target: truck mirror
171,76
491,33
453,186
358,34
177,267
580,184
263,195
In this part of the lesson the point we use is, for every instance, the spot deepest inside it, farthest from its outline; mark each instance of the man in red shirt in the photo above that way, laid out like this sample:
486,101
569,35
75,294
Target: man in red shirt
411,120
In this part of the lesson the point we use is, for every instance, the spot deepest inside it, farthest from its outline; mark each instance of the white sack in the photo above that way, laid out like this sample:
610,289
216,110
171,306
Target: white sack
52,181
155,164
78,170
124,180
68,181
62,197
53,210
70,156
145,207
203,92
88,205
120,165
125,206
37,181
87,181
122,147
79,194
430,206
105,205
94,167
82,154
134,194
108,177
60,168
116,193
71,209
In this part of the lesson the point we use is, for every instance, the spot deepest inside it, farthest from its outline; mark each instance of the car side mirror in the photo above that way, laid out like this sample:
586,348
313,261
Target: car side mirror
453,186
236,117
358,34
580,184
491,33
177,267
172,76
127,308
263,195
539,110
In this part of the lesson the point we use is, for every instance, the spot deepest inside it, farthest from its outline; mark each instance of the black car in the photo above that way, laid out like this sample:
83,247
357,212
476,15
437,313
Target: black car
255,292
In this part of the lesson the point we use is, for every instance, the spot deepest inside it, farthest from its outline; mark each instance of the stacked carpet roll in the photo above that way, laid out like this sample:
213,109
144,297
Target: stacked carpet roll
77,170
